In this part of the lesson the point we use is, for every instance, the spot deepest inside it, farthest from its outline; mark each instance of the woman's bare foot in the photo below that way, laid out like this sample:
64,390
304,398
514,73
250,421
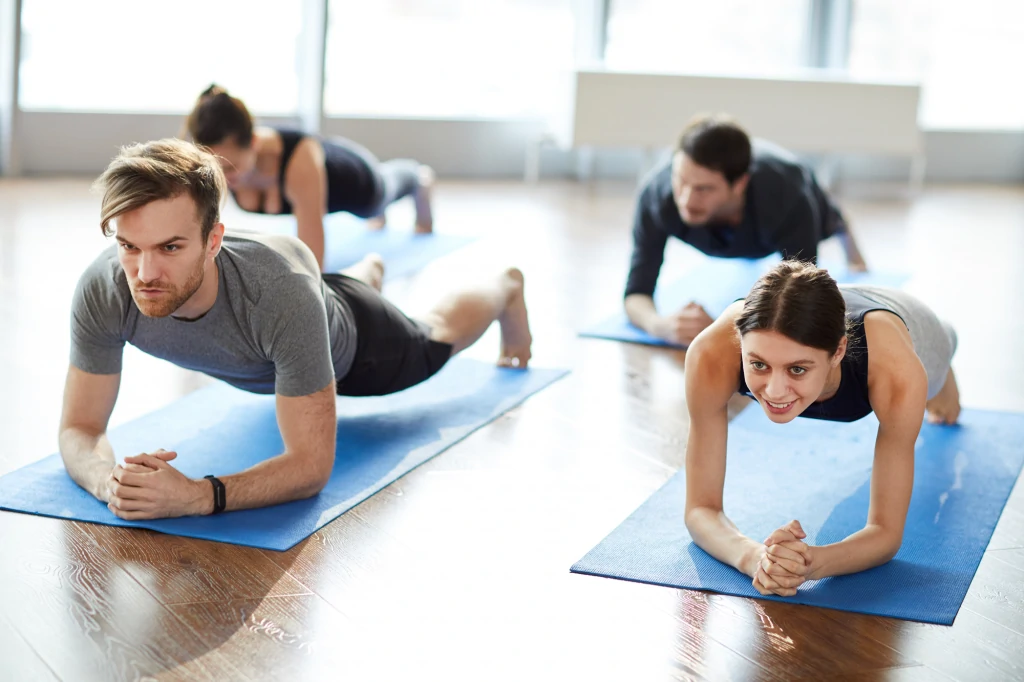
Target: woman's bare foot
376,223
515,325
857,265
422,198
944,408
370,271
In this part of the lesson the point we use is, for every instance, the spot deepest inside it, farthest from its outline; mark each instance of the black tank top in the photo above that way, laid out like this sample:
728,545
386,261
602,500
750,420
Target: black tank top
353,183
850,402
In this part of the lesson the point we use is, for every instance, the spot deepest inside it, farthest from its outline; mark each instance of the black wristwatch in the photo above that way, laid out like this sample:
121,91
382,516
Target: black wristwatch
220,497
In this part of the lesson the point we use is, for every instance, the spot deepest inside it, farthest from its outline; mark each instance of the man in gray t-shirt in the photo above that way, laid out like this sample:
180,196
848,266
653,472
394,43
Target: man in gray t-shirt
275,327
252,310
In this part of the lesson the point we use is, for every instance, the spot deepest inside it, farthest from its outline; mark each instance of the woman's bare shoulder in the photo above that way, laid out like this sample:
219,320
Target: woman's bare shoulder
714,356
894,369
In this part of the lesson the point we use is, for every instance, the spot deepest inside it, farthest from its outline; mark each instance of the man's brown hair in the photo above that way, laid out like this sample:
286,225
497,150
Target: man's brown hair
717,142
163,169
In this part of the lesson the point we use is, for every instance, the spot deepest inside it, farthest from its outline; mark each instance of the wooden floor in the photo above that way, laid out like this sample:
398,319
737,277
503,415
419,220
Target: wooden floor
460,570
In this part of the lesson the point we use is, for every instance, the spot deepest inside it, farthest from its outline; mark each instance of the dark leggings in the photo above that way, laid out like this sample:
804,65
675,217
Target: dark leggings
358,183
399,179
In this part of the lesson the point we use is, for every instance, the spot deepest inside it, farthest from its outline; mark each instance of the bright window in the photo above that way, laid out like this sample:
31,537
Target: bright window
967,57
156,55
741,37
447,58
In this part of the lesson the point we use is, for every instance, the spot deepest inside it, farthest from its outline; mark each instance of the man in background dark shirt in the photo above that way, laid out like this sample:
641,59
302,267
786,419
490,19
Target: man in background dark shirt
728,198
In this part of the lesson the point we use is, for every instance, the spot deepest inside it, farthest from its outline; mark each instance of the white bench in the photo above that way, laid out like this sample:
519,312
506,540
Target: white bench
818,116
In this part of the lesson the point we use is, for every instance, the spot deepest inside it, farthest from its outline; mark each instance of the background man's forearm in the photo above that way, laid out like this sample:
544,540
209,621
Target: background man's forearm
641,311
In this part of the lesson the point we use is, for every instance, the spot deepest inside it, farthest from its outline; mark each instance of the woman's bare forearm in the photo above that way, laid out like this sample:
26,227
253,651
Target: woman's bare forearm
713,532
867,548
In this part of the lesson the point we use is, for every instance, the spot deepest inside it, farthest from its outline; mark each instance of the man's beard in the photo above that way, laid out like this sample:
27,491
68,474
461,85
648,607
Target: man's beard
171,297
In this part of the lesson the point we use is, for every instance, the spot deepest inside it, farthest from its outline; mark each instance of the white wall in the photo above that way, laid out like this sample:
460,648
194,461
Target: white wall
954,157
59,143
492,149
53,143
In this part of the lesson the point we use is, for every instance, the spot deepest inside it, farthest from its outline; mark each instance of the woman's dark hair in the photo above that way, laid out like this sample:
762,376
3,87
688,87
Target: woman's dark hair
719,143
217,117
797,300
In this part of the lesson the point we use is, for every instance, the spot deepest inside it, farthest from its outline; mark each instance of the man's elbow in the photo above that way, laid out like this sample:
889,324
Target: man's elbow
73,428
318,475
313,488
310,488
632,297
637,306
69,441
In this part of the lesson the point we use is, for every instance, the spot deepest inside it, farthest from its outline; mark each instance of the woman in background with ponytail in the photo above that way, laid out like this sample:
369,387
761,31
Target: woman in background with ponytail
284,171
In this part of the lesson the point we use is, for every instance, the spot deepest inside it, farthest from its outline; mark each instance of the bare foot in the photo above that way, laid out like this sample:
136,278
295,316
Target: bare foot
515,326
376,223
857,265
370,270
944,408
422,197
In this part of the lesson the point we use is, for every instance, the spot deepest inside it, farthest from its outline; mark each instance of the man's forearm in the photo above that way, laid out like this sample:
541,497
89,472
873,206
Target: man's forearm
869,547
641,311
284,478
88,458
718,536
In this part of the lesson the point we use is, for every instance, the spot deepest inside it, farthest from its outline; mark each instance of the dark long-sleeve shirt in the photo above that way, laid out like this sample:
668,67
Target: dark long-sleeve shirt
785,211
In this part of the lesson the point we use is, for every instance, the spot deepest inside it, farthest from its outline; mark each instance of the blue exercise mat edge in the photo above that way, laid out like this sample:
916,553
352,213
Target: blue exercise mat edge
544,378
956,589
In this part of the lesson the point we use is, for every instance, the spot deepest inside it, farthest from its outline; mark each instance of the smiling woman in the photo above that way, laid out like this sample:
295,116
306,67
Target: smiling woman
799,345
795,335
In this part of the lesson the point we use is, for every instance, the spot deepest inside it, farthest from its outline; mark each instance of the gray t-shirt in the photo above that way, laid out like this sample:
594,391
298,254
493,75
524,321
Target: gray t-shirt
275,326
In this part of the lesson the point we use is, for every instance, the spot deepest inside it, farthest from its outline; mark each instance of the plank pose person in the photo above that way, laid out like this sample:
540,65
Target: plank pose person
279,170
728,197
250,309
802,346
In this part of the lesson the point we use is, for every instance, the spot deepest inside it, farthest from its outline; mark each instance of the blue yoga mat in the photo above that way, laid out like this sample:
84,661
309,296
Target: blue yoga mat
715,284
221,430
819,472
347,240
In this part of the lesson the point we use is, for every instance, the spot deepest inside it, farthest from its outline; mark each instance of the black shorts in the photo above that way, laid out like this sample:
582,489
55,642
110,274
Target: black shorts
393,352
